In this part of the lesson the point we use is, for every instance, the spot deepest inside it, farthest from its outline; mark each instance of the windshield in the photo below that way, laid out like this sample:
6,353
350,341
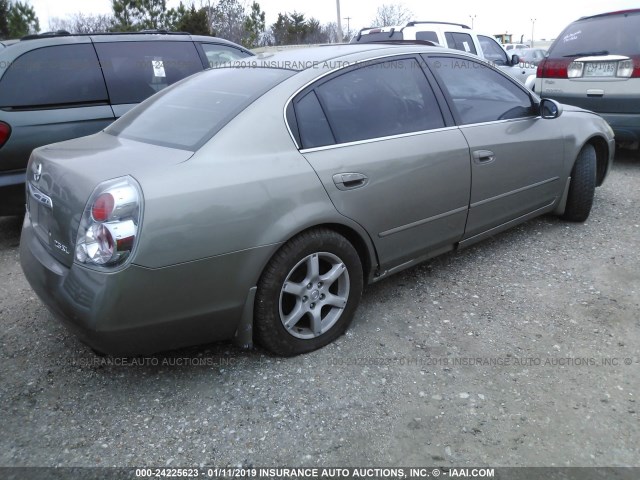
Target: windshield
614,34
189,113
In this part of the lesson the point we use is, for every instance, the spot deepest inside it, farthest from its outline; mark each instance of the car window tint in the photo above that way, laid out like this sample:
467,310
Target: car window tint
492,51
65,74
378,36
312,124
460,41
379,100
186,115
616,34
137,70
220,54
430,36
479,93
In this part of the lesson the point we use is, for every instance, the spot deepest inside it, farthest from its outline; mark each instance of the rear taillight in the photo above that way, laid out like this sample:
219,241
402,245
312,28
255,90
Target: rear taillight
575,69
102,208
108,231
635,72
550,68
5,133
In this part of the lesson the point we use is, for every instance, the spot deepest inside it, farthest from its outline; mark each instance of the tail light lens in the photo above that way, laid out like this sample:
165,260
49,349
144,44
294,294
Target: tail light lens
563,68
108,231
5,133
553,68
629,68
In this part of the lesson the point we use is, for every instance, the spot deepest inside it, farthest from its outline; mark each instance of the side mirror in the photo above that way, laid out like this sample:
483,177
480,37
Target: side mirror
515,59
550,108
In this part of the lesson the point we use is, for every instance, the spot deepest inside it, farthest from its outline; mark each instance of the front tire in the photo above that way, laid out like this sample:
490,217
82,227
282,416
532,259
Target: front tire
308,293
582,186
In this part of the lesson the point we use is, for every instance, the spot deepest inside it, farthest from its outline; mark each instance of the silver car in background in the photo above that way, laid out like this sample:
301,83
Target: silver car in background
254,202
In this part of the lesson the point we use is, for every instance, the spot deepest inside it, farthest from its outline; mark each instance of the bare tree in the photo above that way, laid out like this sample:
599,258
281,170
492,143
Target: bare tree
391,14
81,23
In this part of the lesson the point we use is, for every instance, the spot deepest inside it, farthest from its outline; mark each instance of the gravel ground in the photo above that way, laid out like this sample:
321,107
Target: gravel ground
519,351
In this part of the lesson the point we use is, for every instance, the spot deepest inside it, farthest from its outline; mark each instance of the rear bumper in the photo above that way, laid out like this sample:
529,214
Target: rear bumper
626,126
139,311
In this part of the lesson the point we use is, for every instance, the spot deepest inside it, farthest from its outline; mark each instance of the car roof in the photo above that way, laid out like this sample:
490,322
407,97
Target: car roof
33,42
145,35
300,59
607,14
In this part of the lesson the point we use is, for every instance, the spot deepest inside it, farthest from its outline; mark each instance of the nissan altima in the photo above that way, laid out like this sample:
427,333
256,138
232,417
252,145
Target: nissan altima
253,203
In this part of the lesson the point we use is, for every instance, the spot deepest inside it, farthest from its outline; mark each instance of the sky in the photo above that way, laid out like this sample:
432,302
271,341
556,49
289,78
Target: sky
493,17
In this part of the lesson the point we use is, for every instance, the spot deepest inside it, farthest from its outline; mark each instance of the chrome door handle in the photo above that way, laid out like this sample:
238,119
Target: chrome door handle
483,156
348,181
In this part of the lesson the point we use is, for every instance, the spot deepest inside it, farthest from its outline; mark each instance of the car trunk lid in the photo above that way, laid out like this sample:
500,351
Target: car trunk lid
62,176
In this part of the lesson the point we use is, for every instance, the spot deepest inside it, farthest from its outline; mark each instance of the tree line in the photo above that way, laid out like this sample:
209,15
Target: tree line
228,19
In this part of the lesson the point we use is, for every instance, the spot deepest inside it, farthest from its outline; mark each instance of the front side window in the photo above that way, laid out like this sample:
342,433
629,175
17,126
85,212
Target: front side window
53,76
479,93
460,41
379,100
218,55
137,70
492,51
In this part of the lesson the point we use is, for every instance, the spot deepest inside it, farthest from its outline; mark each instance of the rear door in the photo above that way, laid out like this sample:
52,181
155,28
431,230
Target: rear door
517,157
378,140
136,70
48,95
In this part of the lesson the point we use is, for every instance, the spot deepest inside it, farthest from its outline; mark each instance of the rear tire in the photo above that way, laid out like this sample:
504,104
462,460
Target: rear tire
308,293
582,186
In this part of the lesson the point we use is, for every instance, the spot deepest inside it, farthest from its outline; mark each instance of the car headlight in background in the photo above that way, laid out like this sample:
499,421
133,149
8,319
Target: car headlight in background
109,227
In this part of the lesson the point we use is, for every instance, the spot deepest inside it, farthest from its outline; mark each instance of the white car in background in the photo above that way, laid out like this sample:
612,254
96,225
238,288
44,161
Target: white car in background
456,36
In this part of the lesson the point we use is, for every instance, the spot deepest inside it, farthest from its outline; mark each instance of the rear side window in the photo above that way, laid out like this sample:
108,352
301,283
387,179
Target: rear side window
220,54
312,124
460,41
137,70
380,100
430,36
479,93
613,34
51,76
378,37
185,116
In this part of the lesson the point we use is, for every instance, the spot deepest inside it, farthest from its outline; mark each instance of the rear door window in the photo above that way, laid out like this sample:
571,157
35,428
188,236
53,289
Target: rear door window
137,70
380,100
52,76
460,41
312,123
430,36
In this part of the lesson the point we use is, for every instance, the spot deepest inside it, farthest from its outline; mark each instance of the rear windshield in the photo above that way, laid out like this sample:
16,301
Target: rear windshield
189,113
615,35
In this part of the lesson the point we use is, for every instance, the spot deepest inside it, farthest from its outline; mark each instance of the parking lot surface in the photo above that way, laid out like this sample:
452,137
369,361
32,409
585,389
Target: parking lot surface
519,351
